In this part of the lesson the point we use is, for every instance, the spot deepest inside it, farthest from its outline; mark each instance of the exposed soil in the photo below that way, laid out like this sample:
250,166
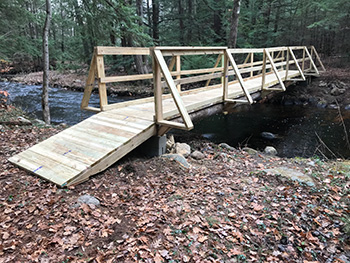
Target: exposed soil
224,208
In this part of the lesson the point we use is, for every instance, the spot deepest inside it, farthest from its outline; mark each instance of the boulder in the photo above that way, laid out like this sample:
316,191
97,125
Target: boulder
269,150
347,107
291,174
322,84
250,151
333,106
178,158
87,199
197,155
38,122
226,146
24,120
268,135
183,149
170,144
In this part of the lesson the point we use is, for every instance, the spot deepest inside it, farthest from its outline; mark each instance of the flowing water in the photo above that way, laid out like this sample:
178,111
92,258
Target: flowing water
300,131
64,104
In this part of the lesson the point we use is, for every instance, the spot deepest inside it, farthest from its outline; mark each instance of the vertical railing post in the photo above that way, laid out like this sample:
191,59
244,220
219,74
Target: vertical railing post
225,77
102,89
311,54
303,63
251,64
287,64
178,71
158,92
263,70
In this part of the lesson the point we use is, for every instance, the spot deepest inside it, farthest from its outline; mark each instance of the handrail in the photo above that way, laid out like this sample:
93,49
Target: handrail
274,60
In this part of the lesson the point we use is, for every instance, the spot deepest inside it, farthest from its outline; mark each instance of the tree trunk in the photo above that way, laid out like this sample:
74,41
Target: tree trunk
45,92
232,40
181,23
155,21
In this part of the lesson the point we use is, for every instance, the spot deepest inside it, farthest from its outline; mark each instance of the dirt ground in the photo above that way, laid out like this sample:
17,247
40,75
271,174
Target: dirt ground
224,208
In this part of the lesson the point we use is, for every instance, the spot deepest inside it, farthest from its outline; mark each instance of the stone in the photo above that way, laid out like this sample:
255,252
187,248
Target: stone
183,149
322,84
347,107
170,144
268,135
311,163
336,91
88,199
178,158
24,120
292,174
269,150
63,125
321,104
197,155
38,122
333,106
250,151
226,146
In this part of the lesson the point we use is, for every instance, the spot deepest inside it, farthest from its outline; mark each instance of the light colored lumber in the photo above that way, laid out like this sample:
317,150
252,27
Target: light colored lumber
275,70
296,63
318,58
312,61
122,51
102,89
89,83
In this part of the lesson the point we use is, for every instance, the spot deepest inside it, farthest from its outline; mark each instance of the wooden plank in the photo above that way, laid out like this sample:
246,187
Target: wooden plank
251,62
172,63
174,92
115,155
122,50
225,79
297,64
178,70
172,124
45,167
312,61
158,91
318,58
89,83
102,90
239,77
245,50
125,78
263,70
275,69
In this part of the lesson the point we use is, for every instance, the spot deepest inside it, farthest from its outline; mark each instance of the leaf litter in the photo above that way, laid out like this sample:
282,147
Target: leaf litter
224,208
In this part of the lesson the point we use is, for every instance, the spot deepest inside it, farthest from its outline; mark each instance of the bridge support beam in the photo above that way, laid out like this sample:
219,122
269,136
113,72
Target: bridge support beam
154,146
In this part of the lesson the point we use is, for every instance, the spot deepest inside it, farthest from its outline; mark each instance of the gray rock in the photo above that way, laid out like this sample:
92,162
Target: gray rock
344,258
311,163
321,104
322,84
269,135
347,107
38,122
183,149
332,106
88,199
197,155
292,174
269,150
208,136
170,144
226,146
250,150
24,120
178,158
336,91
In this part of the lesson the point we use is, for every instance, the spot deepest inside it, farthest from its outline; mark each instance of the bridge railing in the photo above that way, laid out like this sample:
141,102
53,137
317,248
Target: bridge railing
170,77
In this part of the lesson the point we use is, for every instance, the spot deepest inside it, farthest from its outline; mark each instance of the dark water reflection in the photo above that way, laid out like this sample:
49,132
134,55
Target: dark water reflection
296,127
64,104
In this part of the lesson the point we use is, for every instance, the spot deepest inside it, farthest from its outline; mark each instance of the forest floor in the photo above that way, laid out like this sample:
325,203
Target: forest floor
226,207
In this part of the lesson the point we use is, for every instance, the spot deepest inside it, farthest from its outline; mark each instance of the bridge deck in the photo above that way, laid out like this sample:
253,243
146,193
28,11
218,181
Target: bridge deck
94,144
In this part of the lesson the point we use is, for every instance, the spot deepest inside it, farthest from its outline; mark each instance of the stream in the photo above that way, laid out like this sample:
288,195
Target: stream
300,130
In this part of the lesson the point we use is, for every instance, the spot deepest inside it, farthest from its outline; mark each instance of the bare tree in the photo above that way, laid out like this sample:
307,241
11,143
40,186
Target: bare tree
45,92
232,40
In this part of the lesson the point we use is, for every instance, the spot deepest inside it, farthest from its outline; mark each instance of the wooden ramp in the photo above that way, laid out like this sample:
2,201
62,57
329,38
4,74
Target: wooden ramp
91,146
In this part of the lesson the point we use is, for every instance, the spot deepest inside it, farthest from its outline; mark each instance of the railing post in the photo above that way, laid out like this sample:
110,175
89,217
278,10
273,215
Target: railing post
178,71
225,77
287,64
158,91
263,70
102,90
310,56
251,62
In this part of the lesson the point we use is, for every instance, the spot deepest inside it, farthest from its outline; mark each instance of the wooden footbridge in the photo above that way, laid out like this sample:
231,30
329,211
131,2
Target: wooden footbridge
91,146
